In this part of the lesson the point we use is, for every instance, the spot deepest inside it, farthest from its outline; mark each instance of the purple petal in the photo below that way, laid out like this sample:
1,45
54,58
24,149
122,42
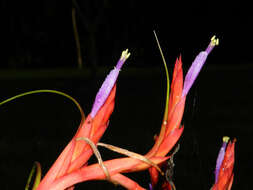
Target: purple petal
150,186
108,84
197,65
220,157
194,71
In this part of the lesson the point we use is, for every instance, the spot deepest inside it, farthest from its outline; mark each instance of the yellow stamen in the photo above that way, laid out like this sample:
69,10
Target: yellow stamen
214,41
125,54
225,139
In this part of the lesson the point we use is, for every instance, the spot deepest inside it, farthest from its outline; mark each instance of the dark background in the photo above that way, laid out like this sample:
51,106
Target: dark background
39,52
39,34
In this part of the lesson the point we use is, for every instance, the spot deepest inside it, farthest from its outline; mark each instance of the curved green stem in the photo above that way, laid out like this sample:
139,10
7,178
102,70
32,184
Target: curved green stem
37,177
46,91
165,117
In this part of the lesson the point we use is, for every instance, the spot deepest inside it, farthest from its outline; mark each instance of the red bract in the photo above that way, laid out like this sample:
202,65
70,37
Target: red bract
170,131
77,153
226,175
166,186
171,127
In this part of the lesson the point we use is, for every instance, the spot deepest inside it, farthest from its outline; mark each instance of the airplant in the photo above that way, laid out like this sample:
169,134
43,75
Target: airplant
71,166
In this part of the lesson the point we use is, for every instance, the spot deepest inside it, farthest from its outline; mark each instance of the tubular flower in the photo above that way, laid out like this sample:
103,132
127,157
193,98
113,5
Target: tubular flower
170,132
77,152
171,129
224,166
108,84
197,65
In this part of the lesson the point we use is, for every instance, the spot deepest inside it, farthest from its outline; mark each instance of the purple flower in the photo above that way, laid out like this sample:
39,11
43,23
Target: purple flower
197,65
109,82
150,186
220,157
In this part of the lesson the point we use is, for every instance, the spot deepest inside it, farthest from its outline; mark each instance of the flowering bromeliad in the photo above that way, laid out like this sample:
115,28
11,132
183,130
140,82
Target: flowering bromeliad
171,123
71,166
224,166
76,154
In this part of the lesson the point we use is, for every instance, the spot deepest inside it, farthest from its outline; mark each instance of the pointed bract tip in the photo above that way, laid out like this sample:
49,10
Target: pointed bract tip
225,139
214,41
124,56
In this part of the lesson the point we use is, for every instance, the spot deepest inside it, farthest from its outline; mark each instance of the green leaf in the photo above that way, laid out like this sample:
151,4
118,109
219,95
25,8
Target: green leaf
37,177
165,117
46,91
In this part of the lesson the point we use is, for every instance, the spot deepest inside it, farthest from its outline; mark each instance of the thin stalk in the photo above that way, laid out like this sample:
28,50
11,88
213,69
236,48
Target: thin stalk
46,91
78,47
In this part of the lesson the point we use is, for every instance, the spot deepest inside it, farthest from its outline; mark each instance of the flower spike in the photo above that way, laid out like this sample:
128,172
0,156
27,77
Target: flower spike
109,82
72,166
224,168
220,157
197,65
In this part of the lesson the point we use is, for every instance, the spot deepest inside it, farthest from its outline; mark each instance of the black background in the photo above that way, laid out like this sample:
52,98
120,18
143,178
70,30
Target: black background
39,34
39,51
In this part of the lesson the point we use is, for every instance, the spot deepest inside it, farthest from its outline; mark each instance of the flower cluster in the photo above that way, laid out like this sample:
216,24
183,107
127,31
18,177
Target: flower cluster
71,166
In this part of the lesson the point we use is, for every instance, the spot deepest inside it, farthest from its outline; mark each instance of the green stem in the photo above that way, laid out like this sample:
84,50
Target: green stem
46,91
37,177
165,117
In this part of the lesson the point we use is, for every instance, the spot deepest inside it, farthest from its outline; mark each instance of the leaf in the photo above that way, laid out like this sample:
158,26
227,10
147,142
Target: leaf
37,177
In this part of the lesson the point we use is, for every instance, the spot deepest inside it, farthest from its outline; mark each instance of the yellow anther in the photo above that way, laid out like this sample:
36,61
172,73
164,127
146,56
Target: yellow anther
213,38
217,41
214,41
125,54
225,139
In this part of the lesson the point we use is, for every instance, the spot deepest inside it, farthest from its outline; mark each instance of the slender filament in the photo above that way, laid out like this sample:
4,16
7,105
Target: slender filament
130,154
98,156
